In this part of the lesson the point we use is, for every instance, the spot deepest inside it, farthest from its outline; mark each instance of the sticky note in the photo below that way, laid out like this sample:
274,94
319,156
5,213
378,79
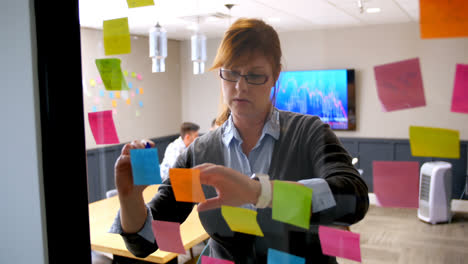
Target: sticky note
140,103
279,257
114,103
443,19
124,95
241,220
399,85
114,111
125,73
167,236
340,243
92,82
128,102
97,100
94,108
139,3
111,74
116,36
117,95
130,85
186,185
132,93
141,90
460,90
139,77
210,260
103,128
434,142
111,95
137,91
98,80
145,166
396,183
285,195
101,93
137,113
133,74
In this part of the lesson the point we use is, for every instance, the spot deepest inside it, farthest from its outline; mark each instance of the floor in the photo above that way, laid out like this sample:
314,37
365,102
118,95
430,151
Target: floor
186,259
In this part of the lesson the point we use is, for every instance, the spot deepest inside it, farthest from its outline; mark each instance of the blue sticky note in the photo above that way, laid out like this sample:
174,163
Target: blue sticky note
130,85
111,95
101,93
145,166
94,108
279,257
140,103
137,91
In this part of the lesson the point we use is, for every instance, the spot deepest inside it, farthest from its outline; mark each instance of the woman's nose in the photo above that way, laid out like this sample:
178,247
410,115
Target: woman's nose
241,84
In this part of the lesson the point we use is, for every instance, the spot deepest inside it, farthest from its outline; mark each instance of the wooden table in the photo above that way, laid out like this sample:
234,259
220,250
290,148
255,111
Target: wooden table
101,217
397,236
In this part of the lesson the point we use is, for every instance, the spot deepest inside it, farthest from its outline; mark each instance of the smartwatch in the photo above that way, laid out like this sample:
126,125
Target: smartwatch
265,193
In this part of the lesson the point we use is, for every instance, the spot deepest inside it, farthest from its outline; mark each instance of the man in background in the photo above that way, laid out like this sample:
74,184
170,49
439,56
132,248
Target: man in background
188,133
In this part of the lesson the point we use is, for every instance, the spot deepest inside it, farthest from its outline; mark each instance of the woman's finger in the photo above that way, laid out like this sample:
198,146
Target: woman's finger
210,204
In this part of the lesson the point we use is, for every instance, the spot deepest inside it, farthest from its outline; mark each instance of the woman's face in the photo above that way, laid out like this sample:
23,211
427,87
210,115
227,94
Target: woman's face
249,100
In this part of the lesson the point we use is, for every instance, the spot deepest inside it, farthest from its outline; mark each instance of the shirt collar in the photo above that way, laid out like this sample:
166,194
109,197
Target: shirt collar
271,127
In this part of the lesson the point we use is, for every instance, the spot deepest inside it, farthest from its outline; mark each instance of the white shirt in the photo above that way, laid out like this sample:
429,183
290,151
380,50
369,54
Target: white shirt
173,150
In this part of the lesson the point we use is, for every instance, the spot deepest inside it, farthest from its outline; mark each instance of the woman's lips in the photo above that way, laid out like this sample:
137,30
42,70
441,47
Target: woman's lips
239,100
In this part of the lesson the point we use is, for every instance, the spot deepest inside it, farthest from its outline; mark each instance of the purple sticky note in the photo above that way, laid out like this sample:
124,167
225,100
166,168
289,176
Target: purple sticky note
340,243
399,85
396,183
167,236
460,90
103,128
210,260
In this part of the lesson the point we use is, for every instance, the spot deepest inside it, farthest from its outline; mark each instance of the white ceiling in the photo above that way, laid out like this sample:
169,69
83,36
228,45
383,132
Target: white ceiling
284,15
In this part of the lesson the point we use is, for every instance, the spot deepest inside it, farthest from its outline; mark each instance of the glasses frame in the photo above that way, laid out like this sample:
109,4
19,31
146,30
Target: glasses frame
240,76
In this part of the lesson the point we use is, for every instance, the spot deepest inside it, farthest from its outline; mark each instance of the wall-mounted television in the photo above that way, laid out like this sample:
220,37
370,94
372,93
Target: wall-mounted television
328,94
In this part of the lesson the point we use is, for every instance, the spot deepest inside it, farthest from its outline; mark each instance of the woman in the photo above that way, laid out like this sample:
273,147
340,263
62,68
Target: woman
254,138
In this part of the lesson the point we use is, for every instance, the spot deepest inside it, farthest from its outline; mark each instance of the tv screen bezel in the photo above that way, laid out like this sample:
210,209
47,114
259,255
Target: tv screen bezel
351,92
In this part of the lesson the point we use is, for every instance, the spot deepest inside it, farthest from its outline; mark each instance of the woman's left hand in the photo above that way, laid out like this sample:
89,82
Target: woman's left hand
233,187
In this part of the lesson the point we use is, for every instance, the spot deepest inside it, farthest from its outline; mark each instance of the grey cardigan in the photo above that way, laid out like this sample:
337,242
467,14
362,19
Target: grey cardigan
306,148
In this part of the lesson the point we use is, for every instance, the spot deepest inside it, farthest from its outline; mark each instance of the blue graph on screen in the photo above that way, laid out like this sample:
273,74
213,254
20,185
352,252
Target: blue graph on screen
323,93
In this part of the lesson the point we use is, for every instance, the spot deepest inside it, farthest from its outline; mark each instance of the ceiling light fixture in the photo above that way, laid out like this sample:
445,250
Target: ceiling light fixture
360,6
373,10
158,48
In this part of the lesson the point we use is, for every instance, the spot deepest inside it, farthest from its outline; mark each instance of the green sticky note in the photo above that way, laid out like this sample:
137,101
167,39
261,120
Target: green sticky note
111,74
241,220
134,74
139,3
292,203
434,142
125,73
116,36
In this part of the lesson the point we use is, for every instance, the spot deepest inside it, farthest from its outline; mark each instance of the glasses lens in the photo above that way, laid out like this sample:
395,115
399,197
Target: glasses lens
229,75
256,79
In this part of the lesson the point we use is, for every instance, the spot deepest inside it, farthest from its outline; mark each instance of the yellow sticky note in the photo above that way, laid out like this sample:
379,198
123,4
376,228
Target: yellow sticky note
133,74
128,101
137,113
116,36
443,19
241,220
92,82
125,73
139,3
117,95
434,142
114,103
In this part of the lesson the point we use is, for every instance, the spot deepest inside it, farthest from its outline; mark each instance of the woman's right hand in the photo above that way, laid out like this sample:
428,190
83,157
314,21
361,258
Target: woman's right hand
123,171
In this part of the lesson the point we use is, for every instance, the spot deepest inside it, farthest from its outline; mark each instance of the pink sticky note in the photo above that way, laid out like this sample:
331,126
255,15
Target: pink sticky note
103,128
132,93
210,260
139,77
340,243
396,183
167,236
98,80
399,85
96,100
460,90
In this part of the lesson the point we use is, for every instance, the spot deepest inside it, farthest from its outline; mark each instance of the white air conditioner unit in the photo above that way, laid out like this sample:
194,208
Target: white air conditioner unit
435,192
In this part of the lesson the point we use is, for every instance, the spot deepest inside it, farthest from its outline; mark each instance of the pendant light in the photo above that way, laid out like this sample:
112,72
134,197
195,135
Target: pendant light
198,42
158,48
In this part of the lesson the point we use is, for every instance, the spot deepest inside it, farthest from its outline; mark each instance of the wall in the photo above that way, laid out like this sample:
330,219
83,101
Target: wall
22,222
161,111
360,48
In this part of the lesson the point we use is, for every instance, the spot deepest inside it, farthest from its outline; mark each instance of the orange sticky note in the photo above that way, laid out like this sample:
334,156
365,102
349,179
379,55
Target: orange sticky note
114,103
141,90
443,19
128,101
186,185
117,94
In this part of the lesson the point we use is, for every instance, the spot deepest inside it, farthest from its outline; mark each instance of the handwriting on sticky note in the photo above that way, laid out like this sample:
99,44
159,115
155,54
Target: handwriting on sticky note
340,243
167,236
241,220
116,36
396,183
139,3
103,128
443,19
279,257
210,260
145,166
460,90
292,203
111,74
434,142
186,185
399,85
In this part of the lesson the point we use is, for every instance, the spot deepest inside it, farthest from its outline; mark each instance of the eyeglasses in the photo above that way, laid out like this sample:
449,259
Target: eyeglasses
232,76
